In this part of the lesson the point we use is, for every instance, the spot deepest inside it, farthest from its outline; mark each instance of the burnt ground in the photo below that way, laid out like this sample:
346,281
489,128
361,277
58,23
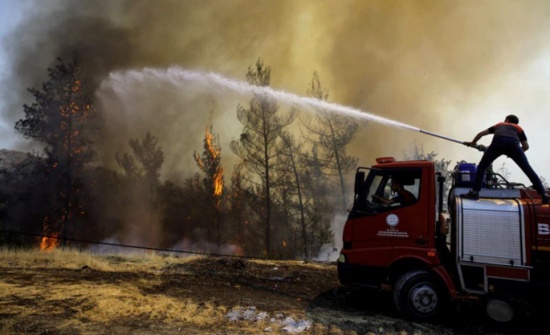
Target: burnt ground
307,291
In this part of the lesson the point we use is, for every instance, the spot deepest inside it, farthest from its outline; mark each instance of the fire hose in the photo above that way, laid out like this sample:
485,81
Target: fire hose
479,147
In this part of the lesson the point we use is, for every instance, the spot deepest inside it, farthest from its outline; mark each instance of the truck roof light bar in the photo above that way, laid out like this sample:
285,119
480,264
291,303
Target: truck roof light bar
382,160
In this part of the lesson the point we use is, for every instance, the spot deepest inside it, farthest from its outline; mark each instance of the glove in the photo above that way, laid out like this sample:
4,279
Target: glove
481,147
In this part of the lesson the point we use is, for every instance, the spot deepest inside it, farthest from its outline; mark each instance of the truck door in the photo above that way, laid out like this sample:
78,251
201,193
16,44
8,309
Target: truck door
389,221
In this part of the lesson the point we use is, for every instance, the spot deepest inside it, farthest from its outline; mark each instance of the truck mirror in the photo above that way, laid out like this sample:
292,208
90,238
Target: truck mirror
359,182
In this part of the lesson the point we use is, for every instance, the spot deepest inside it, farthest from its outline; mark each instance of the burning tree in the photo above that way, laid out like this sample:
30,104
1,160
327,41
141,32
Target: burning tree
332,134
59,121
259,142
210,165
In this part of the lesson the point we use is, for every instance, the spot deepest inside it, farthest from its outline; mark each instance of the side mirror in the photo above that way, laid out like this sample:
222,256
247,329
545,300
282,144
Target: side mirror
359,182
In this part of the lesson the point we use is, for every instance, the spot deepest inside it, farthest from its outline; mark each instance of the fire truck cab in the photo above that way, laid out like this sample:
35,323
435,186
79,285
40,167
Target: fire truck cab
496,249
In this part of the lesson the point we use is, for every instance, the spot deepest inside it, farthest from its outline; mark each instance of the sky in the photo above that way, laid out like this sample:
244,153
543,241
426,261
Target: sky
449,67
10,14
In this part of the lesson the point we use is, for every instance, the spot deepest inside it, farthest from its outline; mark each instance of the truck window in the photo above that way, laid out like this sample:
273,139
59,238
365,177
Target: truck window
387,189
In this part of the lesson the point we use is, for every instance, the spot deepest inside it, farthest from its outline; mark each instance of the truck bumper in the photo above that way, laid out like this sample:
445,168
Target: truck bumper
360,276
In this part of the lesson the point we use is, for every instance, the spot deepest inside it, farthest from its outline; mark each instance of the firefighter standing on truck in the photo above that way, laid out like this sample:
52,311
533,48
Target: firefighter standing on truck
509,139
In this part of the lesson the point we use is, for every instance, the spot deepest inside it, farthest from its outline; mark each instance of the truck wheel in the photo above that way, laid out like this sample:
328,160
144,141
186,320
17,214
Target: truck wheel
417,297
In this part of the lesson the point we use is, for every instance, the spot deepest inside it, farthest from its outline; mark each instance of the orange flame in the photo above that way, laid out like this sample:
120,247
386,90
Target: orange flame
213,152
50,242
218,175
238,251
218,182
284,243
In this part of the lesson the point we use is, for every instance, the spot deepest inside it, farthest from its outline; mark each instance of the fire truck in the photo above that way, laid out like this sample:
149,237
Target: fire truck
441,248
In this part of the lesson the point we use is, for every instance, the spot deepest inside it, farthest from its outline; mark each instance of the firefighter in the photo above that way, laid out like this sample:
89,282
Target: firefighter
508,139
402,197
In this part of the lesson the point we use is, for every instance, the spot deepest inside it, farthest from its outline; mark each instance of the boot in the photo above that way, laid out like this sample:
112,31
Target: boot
471,195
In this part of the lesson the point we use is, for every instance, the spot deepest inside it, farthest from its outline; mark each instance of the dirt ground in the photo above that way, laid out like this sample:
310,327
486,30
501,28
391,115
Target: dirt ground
226,295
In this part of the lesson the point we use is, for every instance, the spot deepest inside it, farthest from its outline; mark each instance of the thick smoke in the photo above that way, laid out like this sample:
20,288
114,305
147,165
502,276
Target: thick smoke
420,62
431,64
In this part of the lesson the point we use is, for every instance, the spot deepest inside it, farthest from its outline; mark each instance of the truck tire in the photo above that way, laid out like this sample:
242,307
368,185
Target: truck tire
417,297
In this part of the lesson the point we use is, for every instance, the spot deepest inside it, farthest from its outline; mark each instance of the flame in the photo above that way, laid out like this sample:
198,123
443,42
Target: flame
208,138
284,243
50,242
238,251
218,182
217,178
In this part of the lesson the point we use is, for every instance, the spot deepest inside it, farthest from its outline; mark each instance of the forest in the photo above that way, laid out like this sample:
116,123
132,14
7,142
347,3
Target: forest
279,201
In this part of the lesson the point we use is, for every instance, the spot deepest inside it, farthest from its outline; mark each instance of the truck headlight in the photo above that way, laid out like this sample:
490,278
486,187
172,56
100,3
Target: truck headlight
342,258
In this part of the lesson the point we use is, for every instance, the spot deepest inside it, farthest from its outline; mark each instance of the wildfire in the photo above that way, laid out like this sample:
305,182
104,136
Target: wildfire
238,251
218,182
208,138
50,242
214,151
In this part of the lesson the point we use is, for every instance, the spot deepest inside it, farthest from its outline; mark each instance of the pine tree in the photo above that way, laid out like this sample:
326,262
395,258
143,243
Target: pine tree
142,167
210,164
59,120
259,142
332,133
144,162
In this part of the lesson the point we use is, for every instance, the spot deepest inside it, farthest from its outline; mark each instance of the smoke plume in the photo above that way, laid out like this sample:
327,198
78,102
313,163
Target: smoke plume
436,65
418,62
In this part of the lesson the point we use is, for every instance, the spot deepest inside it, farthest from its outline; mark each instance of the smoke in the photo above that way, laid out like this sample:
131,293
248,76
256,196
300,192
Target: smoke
418,62
435,65
329,252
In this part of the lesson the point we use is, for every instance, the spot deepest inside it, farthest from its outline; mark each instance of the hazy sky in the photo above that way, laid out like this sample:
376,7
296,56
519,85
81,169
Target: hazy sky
10,13
449,67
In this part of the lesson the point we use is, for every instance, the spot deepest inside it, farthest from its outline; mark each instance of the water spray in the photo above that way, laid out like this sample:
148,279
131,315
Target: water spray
178,76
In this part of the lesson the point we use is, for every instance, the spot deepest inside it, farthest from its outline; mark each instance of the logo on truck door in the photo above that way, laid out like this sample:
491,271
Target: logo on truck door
392,221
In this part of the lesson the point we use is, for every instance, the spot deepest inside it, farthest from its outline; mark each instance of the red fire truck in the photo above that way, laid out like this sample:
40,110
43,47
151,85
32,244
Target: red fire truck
495,249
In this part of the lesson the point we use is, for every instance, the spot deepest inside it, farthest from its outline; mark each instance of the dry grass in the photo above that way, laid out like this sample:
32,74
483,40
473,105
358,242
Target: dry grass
72,292
74,259
93,303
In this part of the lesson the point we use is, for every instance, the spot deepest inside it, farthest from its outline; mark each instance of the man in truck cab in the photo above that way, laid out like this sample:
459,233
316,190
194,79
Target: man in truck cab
509,139
402,196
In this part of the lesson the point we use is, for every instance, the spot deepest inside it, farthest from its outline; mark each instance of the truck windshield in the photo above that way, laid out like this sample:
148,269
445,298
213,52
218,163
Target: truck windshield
385,189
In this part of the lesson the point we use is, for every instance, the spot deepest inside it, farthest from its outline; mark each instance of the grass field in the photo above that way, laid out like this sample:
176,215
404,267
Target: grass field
72,292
